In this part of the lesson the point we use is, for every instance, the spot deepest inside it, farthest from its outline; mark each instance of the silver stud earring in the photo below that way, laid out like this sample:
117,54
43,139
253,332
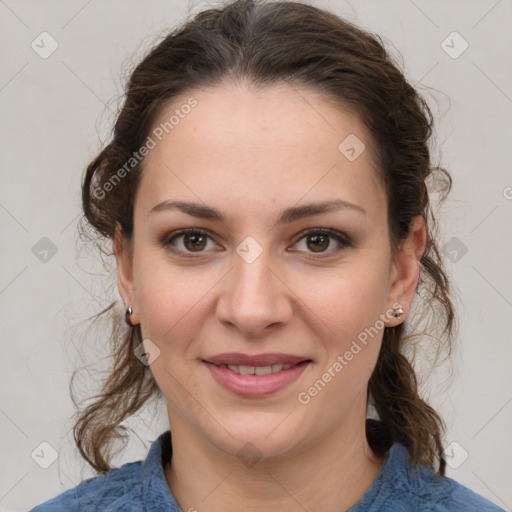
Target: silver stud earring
129,311
398,312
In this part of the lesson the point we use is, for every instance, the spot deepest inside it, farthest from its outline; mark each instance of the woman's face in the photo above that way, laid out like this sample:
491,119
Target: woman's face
270,276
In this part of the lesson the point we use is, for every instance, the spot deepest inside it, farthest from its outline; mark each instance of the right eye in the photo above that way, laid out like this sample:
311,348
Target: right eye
192,240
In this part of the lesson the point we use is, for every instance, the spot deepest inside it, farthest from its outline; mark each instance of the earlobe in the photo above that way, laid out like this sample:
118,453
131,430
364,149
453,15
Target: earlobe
406,269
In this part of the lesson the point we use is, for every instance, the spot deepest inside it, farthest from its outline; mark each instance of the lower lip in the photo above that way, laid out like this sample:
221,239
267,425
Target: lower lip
256,385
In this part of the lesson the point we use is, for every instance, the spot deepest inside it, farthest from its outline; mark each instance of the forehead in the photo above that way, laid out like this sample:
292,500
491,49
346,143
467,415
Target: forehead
240,145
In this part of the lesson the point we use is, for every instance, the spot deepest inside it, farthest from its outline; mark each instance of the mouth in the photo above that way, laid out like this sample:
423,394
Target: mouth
256,360
259,370
258,375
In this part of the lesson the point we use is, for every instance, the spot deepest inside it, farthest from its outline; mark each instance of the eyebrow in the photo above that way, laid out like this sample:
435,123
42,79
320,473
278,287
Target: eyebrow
287,216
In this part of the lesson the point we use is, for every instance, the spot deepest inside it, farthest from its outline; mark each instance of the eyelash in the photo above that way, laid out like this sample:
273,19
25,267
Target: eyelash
342,239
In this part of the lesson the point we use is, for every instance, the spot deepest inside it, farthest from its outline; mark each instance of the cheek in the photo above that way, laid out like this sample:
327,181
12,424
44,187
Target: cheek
169,304
349,300
165,295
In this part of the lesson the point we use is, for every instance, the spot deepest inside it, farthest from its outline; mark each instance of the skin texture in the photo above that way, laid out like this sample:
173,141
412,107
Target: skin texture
251,154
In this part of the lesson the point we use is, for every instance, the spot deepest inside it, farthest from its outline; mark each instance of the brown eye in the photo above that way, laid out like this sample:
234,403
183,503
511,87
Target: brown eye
320,241
194,242
187,241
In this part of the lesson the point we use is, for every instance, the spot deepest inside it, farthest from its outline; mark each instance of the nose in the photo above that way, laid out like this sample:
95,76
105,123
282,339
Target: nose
255,297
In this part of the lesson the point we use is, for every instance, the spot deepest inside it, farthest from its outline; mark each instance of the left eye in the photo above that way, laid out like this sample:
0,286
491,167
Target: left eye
316,241
320,240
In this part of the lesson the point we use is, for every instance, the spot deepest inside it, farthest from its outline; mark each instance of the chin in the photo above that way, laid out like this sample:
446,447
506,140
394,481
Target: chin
252,450
254,439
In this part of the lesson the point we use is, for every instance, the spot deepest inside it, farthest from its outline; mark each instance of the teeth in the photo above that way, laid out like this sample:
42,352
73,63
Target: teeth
256,370
246,370
263,370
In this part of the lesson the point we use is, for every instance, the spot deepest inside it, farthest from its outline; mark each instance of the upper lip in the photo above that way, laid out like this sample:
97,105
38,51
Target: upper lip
237,358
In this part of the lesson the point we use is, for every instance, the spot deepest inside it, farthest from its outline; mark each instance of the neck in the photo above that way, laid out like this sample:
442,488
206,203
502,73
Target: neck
330,475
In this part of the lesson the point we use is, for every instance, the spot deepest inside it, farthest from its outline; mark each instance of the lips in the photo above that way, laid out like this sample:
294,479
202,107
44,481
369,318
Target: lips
256,376
256,370
269,359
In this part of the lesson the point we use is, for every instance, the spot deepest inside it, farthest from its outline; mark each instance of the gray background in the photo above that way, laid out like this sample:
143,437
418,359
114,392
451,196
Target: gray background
56,110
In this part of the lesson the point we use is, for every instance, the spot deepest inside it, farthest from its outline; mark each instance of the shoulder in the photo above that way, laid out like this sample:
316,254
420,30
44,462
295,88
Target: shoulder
420,489
458,497
119,489
134,487
442,494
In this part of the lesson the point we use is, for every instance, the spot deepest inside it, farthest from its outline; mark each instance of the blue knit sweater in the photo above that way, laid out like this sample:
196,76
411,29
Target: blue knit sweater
141,486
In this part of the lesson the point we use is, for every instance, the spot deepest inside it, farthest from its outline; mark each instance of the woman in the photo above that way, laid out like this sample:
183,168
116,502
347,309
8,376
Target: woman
265,194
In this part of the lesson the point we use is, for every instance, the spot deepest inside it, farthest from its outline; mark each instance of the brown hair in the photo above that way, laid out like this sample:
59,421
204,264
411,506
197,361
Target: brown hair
265,43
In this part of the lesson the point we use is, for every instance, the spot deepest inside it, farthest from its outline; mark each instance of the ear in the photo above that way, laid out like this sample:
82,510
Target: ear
406,269
123,253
